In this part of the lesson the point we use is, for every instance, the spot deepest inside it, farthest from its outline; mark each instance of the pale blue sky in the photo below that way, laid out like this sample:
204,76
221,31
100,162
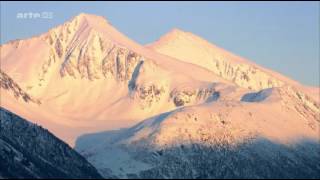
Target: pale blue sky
283,36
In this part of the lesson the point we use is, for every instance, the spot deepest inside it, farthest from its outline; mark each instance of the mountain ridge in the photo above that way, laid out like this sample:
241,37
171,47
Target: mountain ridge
171,44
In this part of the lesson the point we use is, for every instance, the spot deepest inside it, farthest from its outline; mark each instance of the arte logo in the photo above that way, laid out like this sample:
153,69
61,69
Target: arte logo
35,15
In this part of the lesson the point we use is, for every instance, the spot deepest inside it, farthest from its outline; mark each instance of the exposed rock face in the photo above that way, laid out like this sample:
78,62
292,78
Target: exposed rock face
183,97
148,95
93,62
8,84
85,53
244,75
29,151
152,93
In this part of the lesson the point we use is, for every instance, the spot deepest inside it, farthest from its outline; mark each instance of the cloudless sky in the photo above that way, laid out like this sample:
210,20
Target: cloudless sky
283,36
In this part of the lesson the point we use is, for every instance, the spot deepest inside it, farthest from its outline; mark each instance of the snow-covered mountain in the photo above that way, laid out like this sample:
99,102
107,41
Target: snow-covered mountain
29,151
86,65
184,107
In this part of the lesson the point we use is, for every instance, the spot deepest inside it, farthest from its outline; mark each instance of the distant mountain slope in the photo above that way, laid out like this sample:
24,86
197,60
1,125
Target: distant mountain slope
191,48
29,151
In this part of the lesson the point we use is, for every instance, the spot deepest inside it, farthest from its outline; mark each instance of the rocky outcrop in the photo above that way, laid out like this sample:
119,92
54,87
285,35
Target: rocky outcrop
148,94
245,75
183,97
9,85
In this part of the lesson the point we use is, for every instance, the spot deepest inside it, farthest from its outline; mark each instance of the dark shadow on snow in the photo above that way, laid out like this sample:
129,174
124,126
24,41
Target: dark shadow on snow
257,96
261,158
132,82
257,158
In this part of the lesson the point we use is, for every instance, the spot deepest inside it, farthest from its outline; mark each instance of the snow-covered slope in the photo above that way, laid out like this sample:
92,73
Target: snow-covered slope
273,133
29,151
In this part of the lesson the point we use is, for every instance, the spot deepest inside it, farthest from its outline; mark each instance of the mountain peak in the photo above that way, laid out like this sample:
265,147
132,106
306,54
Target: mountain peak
168,37
90,17
177,34
176,31
90,20
79,23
